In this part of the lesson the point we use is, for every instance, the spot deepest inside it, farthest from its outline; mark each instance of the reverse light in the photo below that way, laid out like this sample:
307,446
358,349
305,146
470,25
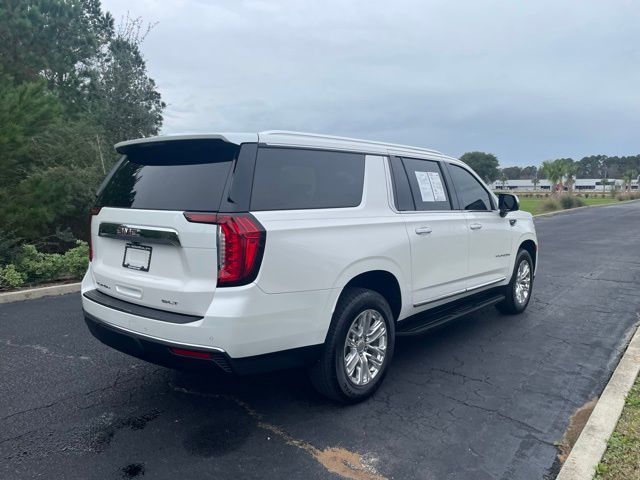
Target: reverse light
92,213
241,241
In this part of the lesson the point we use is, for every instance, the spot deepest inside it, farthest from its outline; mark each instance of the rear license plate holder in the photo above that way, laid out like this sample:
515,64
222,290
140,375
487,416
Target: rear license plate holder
137,257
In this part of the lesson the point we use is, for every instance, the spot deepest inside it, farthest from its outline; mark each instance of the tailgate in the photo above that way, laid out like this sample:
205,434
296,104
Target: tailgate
144,249
155,258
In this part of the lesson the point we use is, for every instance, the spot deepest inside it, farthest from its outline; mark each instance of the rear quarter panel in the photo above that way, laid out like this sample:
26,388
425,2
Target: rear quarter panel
325,248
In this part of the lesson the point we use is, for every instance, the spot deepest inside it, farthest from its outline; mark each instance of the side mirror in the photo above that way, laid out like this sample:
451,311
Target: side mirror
507,203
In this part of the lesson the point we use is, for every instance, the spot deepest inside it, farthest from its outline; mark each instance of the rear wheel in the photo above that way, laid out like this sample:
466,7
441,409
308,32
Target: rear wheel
518,291
358,348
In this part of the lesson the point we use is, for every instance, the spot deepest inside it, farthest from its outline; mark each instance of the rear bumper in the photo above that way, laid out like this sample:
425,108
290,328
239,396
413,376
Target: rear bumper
159,351
240,321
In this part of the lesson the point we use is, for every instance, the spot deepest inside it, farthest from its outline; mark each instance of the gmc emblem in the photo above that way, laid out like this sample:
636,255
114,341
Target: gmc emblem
128,231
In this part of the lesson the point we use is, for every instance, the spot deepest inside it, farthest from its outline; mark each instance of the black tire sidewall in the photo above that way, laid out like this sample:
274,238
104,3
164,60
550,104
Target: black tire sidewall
522,255
367,300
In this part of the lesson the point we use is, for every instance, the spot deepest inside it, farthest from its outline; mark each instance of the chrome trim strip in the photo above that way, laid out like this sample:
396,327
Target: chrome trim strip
151,337
486,284
458,292
441,297
134,233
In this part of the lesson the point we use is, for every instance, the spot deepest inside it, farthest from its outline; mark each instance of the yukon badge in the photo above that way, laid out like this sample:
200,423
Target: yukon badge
125,231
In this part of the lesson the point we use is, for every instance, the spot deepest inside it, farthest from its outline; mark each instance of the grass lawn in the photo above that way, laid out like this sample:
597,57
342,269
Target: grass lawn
621,461
532,205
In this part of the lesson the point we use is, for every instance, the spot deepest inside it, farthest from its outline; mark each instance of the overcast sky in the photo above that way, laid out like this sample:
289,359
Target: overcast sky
527,81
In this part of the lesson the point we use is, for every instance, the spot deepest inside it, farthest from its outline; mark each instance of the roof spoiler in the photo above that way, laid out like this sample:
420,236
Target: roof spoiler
234,138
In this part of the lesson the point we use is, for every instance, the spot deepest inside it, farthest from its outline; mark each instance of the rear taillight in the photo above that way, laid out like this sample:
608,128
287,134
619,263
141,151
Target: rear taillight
241,241
92,213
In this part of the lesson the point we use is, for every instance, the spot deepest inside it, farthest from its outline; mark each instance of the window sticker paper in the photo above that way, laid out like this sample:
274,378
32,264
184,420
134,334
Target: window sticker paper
437,187
426,191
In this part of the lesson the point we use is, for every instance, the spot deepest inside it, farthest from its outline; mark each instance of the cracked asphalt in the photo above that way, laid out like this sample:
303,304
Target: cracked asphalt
484,398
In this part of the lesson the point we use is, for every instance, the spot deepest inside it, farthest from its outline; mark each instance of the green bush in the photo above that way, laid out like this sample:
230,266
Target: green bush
549,205
76,260
32,266
10,277
569,201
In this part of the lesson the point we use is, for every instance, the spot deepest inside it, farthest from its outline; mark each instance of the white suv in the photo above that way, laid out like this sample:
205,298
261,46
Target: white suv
250,252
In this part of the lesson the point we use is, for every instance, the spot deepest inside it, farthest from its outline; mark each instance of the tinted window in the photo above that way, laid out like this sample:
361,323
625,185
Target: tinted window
174,175
290,179
401,189
427,184
471,194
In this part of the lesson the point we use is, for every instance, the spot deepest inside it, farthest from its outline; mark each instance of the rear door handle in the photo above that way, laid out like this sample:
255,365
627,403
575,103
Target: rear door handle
423,230
475,226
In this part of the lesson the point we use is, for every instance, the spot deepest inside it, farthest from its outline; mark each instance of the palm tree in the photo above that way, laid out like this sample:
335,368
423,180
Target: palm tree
554,171
570,175
503,180
627,178
535,182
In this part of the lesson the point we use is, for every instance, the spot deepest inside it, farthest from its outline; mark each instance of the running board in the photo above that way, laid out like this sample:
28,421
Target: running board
425,321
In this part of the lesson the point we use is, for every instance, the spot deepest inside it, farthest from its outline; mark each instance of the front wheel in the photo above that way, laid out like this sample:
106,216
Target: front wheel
358,347
518,291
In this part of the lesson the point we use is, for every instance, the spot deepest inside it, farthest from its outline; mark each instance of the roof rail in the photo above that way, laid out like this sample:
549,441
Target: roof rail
317,136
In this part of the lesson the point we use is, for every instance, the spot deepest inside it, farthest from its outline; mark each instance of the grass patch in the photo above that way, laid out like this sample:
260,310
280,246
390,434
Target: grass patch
536,205
622,457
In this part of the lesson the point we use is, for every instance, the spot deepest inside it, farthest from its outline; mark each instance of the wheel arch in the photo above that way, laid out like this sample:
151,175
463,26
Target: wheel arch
381,281
382,277
532,247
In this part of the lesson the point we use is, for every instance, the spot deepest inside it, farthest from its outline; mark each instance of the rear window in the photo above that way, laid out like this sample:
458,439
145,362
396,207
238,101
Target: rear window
173,175
292,179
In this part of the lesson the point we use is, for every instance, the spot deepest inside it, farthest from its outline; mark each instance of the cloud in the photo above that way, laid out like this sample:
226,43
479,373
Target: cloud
527,81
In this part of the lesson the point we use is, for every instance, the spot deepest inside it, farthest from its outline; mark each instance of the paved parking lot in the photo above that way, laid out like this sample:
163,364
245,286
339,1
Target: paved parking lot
483,398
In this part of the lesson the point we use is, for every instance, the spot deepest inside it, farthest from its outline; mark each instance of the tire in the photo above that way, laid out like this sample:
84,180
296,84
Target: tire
329,375
515,303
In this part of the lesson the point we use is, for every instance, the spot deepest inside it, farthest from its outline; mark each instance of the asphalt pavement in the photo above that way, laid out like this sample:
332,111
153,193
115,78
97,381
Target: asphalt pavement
486,397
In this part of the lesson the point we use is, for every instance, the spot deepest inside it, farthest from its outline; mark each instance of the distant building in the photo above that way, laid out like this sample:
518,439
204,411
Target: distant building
580,185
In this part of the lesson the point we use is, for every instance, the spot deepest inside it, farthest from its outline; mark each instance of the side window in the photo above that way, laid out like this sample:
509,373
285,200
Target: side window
401,190
293,179
471,194
427,184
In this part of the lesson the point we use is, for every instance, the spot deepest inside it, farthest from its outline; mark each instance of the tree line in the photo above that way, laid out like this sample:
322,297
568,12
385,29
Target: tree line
594,166
72,83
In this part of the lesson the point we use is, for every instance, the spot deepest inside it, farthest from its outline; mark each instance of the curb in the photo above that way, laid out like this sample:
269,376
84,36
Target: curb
39,292
592,442
567,210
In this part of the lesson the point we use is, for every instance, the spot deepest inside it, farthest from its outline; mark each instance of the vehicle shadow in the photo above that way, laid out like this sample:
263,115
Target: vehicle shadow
294,384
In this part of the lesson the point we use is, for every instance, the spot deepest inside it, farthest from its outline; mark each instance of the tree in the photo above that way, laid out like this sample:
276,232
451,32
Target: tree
26,111
568,172
512,173
70,87
529,172
503,180
129,104
535,182
554,171
58,40
628,177
484,164
591,167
